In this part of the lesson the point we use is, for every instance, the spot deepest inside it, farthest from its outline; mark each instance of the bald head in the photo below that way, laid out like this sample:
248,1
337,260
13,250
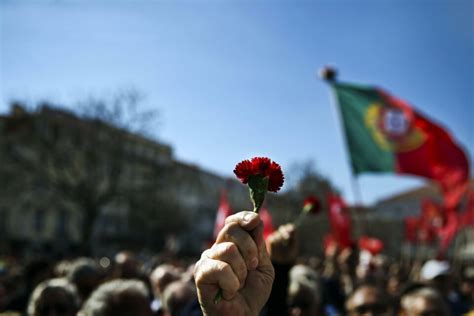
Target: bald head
162,276
176,296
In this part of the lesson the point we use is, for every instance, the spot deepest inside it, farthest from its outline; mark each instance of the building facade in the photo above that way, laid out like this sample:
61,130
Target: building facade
58,168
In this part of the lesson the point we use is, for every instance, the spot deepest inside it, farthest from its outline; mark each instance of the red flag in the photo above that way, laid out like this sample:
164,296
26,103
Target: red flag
386,134
223,211
448,232
426,234
339,220
438,221
329,241
437,156
411,227
432,214
431,221
372,245
267,222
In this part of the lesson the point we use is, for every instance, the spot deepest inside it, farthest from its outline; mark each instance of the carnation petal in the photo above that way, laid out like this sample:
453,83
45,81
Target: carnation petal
261,165
276,177
243,170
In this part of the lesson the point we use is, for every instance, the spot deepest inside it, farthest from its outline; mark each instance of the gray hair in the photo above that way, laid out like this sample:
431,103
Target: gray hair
51,285
106,295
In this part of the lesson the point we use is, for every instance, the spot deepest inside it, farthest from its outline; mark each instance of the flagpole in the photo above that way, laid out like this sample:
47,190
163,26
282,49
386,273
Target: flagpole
329,74
356,190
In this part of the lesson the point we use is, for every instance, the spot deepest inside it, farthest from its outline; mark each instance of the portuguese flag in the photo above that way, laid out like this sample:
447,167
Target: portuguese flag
385,134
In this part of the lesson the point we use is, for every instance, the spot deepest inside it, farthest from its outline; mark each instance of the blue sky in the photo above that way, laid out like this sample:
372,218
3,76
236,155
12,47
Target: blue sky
234,79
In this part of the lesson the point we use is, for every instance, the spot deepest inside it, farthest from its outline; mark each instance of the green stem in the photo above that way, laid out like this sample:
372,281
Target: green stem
299,219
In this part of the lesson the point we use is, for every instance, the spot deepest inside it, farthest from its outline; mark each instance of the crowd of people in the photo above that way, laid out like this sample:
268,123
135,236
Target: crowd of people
240,274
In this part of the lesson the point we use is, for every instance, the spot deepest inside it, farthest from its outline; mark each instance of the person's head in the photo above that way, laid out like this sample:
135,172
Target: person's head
436,273
126,265
36,271
423,301
118,298
86,275
395,280
368,300
54,297
304,292
61,269
371,268
176,296
466,286
163,275
347,260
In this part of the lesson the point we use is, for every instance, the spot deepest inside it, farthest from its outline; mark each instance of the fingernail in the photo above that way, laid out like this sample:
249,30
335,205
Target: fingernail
253,263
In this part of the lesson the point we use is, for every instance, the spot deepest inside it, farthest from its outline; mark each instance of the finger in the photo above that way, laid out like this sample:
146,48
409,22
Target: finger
264,261
229,253
233,232
257,236
211,275
247,220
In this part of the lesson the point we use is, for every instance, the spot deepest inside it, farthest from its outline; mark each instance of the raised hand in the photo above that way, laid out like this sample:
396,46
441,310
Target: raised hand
239,265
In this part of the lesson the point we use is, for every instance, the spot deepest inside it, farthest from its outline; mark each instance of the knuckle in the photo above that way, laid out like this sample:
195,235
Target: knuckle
197,273
227,232
232,227
230,249
224,268
205,254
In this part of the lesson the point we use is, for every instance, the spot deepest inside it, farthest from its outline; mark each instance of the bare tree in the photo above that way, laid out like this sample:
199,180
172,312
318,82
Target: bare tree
97,156
305,180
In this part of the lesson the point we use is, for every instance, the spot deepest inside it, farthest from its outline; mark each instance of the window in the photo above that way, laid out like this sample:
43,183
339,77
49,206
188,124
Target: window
38,220
62,224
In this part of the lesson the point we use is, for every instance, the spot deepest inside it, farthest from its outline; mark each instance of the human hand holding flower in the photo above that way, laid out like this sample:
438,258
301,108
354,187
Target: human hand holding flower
311,205
236,268
261,175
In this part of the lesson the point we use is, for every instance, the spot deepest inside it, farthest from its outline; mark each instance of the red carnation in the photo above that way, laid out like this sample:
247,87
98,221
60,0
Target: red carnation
261,164
263,167
311,205
262,175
